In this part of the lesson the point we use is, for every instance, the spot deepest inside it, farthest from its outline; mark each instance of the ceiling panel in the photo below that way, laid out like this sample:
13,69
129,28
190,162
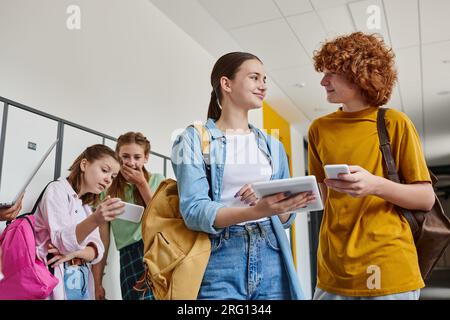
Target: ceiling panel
436,74
235,13
293,7
309,30
403,21
274,42
409,76
337,21
361,17
285,45
435,21
325,4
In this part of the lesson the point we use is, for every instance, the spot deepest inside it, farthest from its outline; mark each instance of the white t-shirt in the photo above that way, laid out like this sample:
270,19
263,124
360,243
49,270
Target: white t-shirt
245,163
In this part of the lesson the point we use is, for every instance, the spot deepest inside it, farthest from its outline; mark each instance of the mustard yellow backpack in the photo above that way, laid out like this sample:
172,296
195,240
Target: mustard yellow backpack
175,257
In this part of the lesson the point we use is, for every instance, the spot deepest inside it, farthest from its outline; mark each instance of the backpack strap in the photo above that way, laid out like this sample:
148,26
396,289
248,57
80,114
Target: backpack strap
389,161
34,207
40,197
385,146
205,143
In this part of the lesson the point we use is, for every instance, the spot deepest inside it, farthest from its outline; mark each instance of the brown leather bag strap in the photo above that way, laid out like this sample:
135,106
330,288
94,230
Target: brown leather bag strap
385,146
389,161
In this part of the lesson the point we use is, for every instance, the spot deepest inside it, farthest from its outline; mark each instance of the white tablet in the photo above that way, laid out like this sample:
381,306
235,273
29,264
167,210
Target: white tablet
292,185
132,212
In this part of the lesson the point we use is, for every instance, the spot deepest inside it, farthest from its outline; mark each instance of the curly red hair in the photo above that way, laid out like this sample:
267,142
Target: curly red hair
364,60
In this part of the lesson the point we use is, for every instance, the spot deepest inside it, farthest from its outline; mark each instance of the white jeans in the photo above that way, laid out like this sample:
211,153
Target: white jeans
320,294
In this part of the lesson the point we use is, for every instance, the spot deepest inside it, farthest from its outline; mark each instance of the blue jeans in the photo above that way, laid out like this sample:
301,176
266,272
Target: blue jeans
76,280
320,294
245,264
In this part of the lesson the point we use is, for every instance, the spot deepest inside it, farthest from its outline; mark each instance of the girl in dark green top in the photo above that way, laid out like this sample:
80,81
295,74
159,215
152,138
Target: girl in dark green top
134,184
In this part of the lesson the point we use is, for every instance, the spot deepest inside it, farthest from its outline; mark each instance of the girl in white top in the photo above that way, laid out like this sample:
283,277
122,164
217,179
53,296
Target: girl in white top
67,229
250,255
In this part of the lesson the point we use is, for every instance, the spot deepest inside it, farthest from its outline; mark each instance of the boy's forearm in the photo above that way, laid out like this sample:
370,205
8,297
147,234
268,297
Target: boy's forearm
418,196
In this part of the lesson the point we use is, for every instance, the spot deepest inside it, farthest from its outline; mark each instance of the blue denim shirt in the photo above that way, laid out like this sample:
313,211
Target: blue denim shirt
199,210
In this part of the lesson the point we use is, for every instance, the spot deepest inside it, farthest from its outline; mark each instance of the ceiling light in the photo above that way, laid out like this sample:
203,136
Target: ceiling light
446,61
443,93
301,84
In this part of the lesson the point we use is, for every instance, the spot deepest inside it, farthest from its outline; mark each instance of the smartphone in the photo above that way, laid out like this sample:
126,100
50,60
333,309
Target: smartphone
132,212
50,257
332,170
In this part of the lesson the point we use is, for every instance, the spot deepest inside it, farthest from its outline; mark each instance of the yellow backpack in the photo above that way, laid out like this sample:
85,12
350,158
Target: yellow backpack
175,257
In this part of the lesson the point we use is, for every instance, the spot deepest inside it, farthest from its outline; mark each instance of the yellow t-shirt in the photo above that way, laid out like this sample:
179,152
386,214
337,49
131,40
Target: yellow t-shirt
363,238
